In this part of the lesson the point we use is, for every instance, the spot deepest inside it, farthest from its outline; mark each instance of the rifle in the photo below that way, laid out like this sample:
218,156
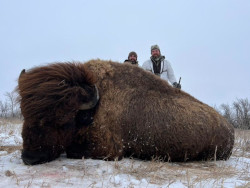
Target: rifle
180,80
179,84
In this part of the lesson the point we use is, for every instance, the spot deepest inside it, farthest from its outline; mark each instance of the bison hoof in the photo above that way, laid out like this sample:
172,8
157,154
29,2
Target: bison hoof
36,157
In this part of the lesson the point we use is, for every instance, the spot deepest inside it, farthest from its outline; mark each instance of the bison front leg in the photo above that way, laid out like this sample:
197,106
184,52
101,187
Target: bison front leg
90,144
87,150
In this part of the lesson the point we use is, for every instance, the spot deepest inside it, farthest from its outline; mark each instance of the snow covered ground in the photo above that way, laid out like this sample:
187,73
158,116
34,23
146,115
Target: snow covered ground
65,172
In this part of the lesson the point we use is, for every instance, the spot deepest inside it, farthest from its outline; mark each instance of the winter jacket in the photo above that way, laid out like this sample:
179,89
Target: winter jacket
166,72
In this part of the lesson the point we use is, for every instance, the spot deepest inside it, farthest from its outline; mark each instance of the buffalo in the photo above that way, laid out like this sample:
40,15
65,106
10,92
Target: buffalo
108,110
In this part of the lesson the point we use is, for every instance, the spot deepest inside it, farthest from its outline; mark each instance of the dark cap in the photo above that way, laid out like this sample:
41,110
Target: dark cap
132,53
153,47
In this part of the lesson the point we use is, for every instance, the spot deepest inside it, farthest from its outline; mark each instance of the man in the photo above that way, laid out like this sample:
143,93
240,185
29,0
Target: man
160,67
132,58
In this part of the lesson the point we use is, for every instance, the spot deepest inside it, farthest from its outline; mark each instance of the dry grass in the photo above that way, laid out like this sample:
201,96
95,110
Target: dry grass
10,149
10,127
7,121
190,174
242,143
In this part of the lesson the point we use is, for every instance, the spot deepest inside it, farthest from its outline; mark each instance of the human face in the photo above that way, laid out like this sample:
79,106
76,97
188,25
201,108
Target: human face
132,58
155,53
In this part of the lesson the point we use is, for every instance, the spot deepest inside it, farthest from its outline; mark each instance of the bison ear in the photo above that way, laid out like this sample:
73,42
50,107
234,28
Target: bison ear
91,104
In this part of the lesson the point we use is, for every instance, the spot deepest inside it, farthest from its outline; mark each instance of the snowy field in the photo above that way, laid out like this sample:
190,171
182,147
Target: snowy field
130,173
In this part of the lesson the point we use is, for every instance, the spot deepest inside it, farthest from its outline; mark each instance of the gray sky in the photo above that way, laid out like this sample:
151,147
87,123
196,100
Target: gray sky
206,42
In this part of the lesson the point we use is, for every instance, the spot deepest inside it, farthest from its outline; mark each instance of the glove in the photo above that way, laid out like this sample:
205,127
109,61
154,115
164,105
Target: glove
176,85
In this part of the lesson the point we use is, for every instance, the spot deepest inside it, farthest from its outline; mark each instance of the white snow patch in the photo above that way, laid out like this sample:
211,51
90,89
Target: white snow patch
64,172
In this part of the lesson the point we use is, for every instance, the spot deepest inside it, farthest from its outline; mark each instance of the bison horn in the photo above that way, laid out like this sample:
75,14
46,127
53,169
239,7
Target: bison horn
92,103
22,72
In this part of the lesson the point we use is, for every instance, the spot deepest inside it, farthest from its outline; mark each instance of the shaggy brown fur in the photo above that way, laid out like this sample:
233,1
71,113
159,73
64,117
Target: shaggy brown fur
138,115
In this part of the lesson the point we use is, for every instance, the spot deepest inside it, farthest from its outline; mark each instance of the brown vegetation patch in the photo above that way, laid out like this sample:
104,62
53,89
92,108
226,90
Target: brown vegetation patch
10,149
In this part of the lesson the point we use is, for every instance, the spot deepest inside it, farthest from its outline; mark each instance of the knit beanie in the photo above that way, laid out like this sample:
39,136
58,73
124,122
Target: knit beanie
132,53
153,47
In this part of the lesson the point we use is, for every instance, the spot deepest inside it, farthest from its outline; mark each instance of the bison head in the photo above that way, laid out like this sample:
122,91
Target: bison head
51,98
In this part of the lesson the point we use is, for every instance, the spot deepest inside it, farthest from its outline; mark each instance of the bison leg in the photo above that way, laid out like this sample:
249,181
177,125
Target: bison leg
76,151
83,146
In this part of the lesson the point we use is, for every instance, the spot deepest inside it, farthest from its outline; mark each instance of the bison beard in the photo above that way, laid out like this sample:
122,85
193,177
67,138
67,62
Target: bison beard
137,115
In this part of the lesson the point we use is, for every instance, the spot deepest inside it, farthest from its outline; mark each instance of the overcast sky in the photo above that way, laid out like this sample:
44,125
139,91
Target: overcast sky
206,42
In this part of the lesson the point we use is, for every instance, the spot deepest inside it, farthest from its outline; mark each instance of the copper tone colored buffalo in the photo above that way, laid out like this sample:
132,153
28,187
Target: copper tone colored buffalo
106,110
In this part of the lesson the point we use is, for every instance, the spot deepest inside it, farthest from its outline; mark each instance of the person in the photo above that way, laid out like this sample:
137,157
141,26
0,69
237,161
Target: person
158,65
132,58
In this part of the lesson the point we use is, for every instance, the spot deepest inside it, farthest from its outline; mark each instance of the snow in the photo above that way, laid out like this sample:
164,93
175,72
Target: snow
64,172
12,140
10,135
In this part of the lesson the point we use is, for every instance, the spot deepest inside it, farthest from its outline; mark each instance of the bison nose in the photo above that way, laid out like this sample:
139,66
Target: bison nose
35,157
